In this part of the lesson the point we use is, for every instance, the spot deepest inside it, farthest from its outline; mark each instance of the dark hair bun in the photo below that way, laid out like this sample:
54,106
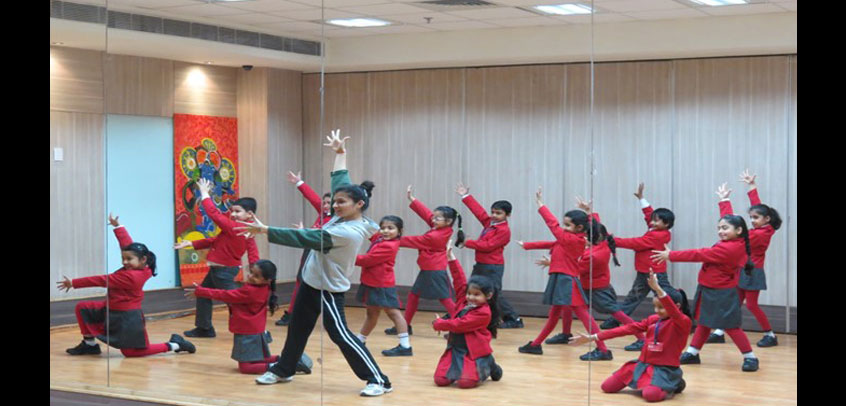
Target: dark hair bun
368,187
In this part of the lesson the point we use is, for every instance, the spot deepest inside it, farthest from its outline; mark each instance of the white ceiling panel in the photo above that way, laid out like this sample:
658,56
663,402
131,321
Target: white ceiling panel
526,22
622,6
294,26
315,14
202,10
460,25
384,9
418,18
266,5
742,9
252,19
666,14
490,13
524,3
402,29
344,3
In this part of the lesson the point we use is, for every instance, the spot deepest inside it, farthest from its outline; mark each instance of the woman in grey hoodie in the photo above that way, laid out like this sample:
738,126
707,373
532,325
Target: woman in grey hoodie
326,277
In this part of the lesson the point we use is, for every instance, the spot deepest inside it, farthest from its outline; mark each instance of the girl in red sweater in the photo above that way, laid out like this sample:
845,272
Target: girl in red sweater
432,282
125,292
377,290
717,302
656,372
564,290
765,221
468,358
248,307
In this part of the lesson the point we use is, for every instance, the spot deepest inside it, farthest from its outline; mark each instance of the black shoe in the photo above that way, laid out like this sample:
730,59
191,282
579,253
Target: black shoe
688,358
750,364
184,345
516,323
716,339
496,372
597,355
768,341
84,349
285,320
200,332
398,351
635,346
681,386
393,331
531,349
304,365
609,324
559,338
268,337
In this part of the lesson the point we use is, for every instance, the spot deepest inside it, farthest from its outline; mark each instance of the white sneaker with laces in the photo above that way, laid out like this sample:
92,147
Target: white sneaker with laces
269,378
374,389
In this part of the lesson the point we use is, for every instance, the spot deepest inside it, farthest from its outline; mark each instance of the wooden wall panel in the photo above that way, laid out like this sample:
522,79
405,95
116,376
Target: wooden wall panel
204,90
633,138
284,153
682,127
791,217
77,213
252,143
731,114
139,86
76,80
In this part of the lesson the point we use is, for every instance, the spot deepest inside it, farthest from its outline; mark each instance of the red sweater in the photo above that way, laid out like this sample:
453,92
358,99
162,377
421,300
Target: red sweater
247,306
432,244
377,265
227,248
672,333
568,246
474,324
643,246
494,238
601,255
126,286
759,238
316,202
721,263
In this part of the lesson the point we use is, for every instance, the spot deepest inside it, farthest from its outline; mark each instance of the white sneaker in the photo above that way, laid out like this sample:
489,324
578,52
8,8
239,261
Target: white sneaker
269,378
374,389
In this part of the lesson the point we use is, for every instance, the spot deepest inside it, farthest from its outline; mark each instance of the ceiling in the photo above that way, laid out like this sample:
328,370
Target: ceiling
301,18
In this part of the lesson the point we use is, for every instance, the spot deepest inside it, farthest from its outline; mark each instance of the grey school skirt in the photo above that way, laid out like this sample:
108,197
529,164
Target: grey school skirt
603,300
381,297
432,285
717,308
251,347
756,281
559,290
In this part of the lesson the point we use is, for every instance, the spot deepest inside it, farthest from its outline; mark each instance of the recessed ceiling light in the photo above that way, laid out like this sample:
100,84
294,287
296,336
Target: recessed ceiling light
57,43
717,3
208,62
358,22
564,9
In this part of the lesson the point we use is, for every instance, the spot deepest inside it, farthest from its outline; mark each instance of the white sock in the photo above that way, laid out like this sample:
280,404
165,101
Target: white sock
404,341
90,341
749,354
719,332
692,350
361,337
769,333
173,346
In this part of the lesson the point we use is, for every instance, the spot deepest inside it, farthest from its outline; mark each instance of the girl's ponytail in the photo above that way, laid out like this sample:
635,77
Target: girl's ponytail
749,264
459,240
612,245
273,301
268,271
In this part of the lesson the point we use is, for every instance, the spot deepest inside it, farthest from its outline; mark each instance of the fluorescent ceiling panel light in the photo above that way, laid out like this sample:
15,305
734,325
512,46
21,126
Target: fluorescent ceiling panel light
358,22
564,9
717,3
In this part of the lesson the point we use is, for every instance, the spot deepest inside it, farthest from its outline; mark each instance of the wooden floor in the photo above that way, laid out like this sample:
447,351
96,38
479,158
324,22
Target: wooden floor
557,377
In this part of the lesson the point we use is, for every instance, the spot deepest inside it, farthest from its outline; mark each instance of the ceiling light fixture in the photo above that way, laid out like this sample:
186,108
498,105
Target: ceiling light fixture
57,43
717,3
564,9
358,22
208,62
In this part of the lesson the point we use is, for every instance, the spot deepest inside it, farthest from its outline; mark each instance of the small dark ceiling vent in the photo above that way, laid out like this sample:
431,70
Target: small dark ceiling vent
138,22
453,5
